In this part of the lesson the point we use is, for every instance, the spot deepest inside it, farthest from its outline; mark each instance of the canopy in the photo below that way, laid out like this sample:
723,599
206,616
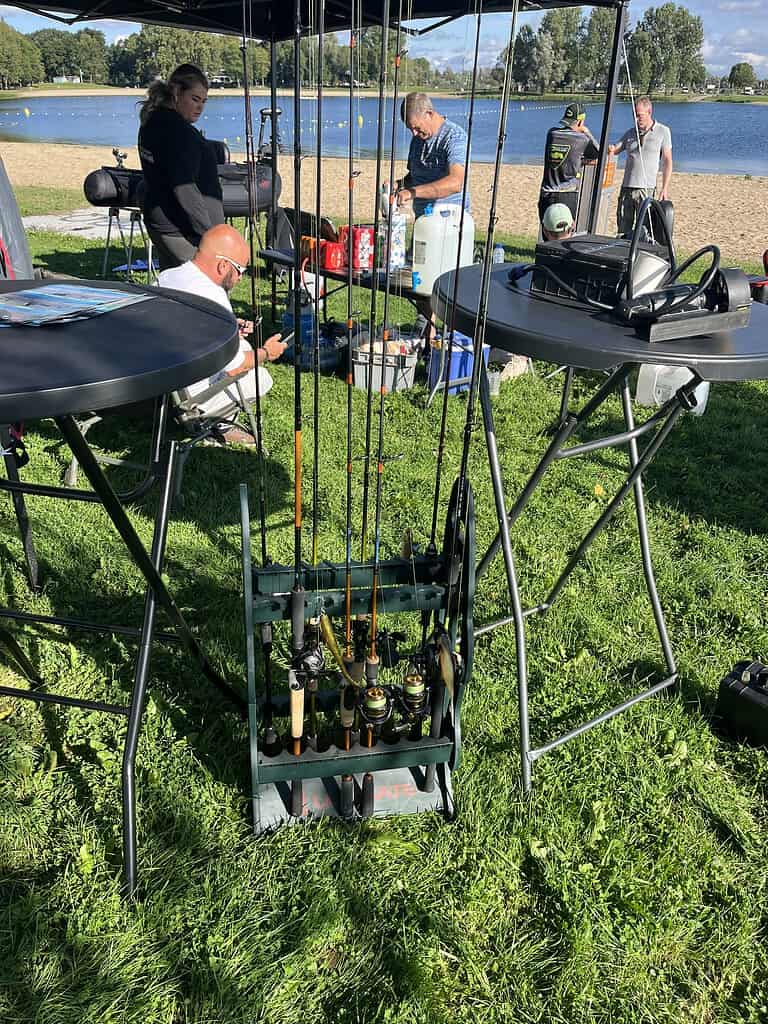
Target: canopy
268,19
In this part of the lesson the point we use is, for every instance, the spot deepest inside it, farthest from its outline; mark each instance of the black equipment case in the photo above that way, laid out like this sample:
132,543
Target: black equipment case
742,702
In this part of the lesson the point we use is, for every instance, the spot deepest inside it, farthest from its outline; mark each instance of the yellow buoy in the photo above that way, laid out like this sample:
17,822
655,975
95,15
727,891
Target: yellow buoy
360,120
26,111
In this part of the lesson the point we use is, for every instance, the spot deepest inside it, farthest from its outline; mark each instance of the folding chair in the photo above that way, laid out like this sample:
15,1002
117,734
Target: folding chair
187,412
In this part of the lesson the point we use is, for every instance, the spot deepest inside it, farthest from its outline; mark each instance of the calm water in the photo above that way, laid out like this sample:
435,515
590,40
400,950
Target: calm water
719,138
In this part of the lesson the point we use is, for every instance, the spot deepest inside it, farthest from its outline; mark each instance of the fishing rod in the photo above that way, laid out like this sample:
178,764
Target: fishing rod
482,309
316,330
297,595
352,174
455,291
270,740
374,281
372,660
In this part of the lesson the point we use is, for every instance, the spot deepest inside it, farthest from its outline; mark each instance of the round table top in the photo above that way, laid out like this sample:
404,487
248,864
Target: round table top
124,356
520,322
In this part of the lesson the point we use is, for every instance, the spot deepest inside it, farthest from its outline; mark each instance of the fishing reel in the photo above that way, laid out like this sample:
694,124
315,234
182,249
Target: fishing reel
310,661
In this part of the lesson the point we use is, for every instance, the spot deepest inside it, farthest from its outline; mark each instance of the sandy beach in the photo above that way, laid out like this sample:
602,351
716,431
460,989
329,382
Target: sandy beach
729,210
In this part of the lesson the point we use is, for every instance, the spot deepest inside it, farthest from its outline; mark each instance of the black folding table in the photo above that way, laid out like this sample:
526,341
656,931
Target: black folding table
139,352
576,337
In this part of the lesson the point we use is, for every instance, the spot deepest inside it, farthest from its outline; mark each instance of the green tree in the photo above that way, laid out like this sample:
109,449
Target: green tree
596,49
548,64
20,62
90,52
57,51
742,75
675,40
122,58
525,61
565,26
640,61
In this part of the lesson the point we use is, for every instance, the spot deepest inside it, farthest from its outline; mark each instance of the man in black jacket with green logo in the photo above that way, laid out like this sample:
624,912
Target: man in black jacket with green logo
568,145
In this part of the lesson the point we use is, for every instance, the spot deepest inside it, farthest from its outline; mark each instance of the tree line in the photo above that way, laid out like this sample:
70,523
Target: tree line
569,52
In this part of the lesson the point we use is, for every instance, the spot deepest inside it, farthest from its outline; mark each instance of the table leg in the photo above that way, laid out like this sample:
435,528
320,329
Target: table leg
139,691
136,549
20,508
662,423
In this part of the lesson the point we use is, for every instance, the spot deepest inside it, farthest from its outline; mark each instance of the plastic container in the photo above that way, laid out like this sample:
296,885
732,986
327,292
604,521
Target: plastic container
498,253
398,371
656,384
307,334
462,361
436,244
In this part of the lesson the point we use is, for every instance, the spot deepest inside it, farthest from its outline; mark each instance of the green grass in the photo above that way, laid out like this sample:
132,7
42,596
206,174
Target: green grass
630,888
34,200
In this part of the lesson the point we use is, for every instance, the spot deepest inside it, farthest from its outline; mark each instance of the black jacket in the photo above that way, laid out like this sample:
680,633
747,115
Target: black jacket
183,195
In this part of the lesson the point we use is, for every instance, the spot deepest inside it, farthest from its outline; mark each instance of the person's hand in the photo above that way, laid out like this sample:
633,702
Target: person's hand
664,194
274,348
405,195
248,363
612,149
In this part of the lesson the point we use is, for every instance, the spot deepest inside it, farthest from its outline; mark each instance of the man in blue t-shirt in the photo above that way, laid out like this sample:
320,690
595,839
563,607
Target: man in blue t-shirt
437,158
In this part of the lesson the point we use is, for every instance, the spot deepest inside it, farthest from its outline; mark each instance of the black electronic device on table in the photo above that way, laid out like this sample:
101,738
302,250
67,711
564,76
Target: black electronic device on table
595,267
639,282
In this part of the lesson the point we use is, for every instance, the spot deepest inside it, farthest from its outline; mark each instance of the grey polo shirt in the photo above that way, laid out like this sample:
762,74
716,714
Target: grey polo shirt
429,160
657,139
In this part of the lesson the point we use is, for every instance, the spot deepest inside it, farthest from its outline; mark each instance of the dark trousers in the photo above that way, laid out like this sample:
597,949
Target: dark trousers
569,199
171,250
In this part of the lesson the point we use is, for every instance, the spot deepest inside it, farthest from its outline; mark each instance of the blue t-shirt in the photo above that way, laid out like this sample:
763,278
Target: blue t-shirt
429,160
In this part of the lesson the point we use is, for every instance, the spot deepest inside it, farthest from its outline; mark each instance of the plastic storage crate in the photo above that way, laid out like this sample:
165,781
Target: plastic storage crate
398,371
462,361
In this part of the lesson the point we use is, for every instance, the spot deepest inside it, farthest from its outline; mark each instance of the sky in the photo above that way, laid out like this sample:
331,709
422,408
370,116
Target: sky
734,31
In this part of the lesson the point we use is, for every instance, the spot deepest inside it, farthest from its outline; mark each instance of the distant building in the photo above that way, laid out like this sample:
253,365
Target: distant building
67,80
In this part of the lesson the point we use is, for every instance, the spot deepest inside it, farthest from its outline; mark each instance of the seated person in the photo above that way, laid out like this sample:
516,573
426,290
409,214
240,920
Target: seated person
212,273
557,222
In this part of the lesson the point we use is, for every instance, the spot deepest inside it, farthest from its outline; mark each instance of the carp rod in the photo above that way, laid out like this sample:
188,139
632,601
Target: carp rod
316,329
373,660
374,279
352,174
455,291
297,594
250,157
482,309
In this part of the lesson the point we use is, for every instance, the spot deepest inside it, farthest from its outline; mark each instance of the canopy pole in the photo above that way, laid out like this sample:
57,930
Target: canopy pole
610,101
273,156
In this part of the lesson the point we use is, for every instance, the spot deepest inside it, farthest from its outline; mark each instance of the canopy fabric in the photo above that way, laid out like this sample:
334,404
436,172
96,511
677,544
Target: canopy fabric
268,19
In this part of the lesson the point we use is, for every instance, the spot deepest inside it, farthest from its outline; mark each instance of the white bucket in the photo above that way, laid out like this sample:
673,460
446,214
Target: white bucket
436,244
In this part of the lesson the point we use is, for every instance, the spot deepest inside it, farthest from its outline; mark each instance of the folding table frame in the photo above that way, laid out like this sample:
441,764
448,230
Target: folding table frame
150,565
655,429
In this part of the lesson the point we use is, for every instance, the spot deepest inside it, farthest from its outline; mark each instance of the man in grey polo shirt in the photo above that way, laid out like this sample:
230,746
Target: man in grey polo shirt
645,145
437,158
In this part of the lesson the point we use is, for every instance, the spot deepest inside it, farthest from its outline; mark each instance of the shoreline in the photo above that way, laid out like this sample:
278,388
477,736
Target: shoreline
46,92
728,210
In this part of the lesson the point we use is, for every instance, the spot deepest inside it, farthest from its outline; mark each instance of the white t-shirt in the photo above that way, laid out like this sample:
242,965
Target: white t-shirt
189,278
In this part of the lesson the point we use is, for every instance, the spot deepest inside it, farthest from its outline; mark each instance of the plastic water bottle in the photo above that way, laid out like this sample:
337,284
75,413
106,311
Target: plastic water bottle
498,253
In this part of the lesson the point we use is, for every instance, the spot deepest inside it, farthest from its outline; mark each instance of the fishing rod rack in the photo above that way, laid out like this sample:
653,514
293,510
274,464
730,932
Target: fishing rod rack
367,740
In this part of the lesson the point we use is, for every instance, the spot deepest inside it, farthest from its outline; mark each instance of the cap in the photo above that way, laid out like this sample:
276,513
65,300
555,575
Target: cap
574,112
557,218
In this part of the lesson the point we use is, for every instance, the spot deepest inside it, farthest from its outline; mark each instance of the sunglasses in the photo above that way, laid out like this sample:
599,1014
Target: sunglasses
238,266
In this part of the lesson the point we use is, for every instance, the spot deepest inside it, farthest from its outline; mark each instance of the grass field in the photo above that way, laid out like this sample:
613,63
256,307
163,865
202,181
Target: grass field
631,886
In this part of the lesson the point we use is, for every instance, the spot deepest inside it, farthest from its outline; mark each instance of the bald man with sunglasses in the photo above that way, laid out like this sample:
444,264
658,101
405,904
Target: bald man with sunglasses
219,263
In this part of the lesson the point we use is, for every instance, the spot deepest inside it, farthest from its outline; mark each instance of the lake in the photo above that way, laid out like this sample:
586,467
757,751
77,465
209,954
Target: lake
718,138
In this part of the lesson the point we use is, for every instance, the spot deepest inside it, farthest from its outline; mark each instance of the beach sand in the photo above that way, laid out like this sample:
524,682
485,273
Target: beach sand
729,210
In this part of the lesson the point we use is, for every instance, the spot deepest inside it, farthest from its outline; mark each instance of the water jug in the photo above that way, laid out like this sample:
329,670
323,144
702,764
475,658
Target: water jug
307,329
656,384
436,244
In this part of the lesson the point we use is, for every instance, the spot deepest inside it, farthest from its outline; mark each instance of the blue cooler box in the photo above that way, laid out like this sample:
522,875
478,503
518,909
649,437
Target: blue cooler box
462,361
